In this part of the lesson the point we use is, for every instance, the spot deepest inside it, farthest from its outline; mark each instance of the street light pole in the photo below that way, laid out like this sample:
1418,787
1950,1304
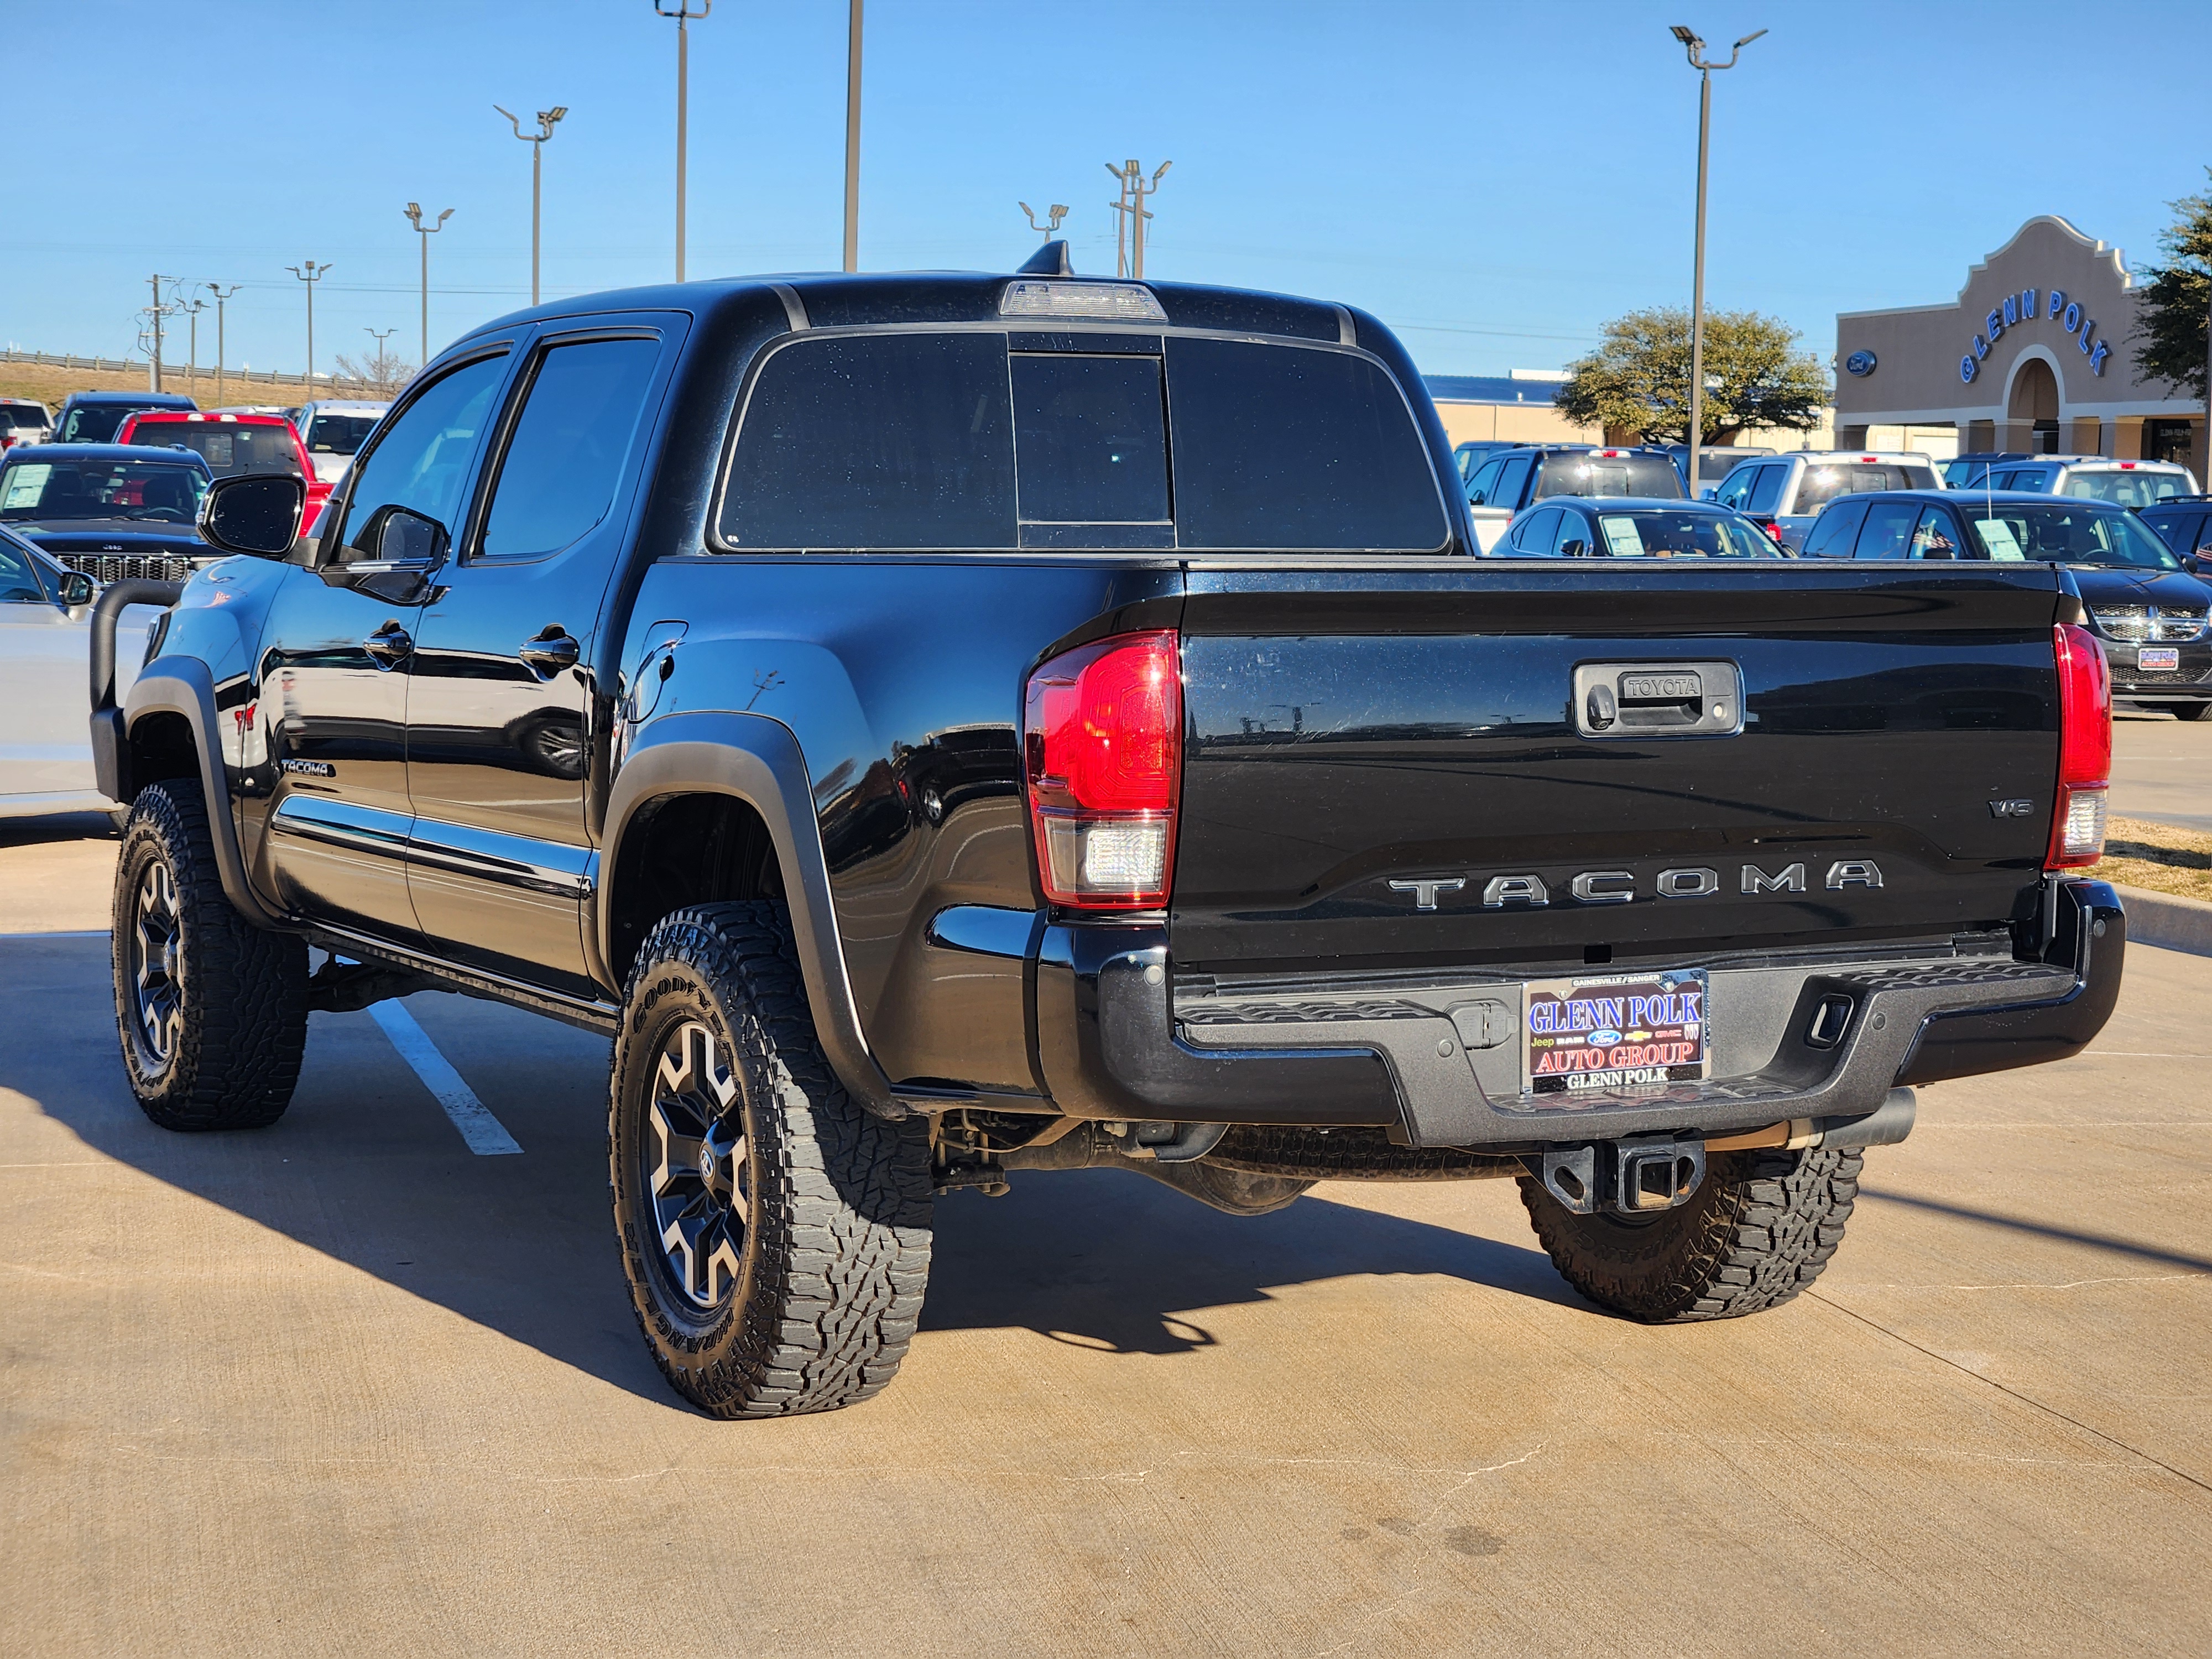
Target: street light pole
414,212
157,279
380,364
221,294
683,15
547,121
853,139
313,273
1695,47
191,308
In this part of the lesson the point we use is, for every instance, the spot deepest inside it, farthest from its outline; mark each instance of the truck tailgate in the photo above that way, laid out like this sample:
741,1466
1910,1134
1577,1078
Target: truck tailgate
1399,766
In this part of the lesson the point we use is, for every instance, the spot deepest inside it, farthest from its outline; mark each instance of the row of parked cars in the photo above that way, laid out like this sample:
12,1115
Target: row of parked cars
2137,535
108,488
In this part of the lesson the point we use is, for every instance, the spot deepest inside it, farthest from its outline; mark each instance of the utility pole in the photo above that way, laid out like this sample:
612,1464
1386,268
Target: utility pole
683,15
1053,215
221,294
313,273
157,279
1695,47
191,308
380,365
1131,214
852,138
414,211
547,121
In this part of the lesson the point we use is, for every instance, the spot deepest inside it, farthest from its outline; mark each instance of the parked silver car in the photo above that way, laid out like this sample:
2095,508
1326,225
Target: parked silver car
45,645
1787,492
2091,478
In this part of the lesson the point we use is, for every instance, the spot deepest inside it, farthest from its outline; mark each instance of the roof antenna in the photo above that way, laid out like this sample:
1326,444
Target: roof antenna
1051,260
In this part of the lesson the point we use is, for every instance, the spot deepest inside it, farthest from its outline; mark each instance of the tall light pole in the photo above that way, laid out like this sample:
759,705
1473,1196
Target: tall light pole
313,273
547,121
1133,213
683,15
380,364
221,294
852,138
191,308
1695,47
414,211
157,279
1053,215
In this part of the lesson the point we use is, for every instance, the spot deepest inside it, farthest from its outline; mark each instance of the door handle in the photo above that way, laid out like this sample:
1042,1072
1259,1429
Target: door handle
389,645
551,651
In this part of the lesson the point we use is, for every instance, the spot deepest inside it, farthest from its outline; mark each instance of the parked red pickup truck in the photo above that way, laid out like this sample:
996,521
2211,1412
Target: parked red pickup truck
232,444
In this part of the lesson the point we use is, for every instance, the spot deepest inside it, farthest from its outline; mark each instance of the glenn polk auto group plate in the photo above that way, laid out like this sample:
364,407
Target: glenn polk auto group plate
1618,1031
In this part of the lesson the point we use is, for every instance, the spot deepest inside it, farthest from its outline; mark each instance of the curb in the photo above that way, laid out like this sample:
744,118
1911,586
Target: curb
2164,920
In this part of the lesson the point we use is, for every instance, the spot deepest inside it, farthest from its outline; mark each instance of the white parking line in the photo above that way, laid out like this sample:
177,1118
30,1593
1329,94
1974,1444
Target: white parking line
487,1137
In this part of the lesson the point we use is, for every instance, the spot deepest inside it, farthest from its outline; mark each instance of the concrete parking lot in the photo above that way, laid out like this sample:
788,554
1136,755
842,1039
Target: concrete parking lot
342,1385
2162,768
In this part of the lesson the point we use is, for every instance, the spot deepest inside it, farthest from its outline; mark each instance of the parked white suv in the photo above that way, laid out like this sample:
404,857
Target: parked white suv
333,430
2094,478
1787,492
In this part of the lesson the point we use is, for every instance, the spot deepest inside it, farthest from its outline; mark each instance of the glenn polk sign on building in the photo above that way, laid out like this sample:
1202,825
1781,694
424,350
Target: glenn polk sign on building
2034,354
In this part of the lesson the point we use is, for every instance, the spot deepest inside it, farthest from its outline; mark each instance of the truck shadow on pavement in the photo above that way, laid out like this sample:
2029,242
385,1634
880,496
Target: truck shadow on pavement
365,1170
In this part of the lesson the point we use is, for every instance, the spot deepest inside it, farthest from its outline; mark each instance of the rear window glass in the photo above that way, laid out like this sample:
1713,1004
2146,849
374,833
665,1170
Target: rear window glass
339,434
228,449
902,440
1090,440
2131,489
94,423
1822,483
1608,474
1295,448
16,415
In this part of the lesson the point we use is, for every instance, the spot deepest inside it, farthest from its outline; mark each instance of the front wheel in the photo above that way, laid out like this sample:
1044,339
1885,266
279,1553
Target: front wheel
2185,711
212,1011
775,1234
1759,1229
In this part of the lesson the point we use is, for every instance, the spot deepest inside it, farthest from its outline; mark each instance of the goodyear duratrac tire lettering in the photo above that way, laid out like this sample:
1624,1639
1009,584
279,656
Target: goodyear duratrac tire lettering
1760,1229
233,1001
835,1253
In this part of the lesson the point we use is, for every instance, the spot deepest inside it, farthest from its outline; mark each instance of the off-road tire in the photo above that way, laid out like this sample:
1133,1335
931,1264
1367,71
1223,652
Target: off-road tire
835,1252
1757,1230
229,1058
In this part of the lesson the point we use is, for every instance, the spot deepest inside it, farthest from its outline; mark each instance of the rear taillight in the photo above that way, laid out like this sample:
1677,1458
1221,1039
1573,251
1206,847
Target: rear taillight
1102,743
1772,528
2085,748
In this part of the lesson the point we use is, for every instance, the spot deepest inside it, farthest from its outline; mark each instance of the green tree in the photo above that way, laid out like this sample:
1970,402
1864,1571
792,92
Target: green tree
2170,317
1756,375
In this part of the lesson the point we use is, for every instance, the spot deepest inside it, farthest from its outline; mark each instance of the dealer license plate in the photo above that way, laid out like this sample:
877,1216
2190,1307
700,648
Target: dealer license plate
1602,1034
2158,656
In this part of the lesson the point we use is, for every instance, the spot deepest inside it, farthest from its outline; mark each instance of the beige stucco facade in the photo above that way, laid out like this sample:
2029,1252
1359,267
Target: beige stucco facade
2034,354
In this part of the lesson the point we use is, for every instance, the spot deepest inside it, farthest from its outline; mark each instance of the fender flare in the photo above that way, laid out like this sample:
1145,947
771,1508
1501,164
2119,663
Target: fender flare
182,685
756,759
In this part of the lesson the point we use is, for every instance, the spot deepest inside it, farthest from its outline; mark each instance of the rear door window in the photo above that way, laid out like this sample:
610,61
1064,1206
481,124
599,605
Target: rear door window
562,465
1936,536
1573,529
1888,530
1767,490
894,440
1295,448
1839,524
1510,479
1534,534
1736,488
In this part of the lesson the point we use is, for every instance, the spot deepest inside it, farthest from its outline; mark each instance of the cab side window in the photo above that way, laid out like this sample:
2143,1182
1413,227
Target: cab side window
1888,530
1766,491
559,475
1838,527
1736,488
1510,479
422,460
1535,535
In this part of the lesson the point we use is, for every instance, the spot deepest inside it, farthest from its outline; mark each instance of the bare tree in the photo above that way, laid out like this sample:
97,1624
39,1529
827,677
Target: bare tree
383,371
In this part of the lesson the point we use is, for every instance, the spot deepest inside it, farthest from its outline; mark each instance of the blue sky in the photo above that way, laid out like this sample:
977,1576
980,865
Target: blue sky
1493,180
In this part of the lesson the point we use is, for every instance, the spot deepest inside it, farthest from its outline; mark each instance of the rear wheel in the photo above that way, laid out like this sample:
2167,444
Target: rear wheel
775,1234
2185,711
1760,1229
212,1011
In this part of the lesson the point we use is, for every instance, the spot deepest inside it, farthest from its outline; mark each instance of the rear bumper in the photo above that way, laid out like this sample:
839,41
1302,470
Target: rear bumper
1115,1043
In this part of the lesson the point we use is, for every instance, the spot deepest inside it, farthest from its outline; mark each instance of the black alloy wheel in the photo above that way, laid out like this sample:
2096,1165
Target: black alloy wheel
155,971
696,1167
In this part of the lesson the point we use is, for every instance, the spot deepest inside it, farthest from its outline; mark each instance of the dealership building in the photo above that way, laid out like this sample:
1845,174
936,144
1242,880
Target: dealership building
2035,354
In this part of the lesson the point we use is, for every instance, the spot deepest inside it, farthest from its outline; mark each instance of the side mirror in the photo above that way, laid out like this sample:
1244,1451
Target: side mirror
1576,549
255,512
1474,498
77,589
401,536
1710,493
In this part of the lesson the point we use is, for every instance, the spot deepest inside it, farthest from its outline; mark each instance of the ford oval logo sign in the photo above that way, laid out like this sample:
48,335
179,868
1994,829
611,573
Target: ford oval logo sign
1860,362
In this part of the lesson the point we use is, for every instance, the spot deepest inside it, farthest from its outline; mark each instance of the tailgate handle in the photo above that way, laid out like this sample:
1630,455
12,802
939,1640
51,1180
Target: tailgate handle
1658,699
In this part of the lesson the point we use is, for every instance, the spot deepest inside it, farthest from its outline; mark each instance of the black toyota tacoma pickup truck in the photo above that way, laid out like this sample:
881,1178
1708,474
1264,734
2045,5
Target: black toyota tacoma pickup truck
944,728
